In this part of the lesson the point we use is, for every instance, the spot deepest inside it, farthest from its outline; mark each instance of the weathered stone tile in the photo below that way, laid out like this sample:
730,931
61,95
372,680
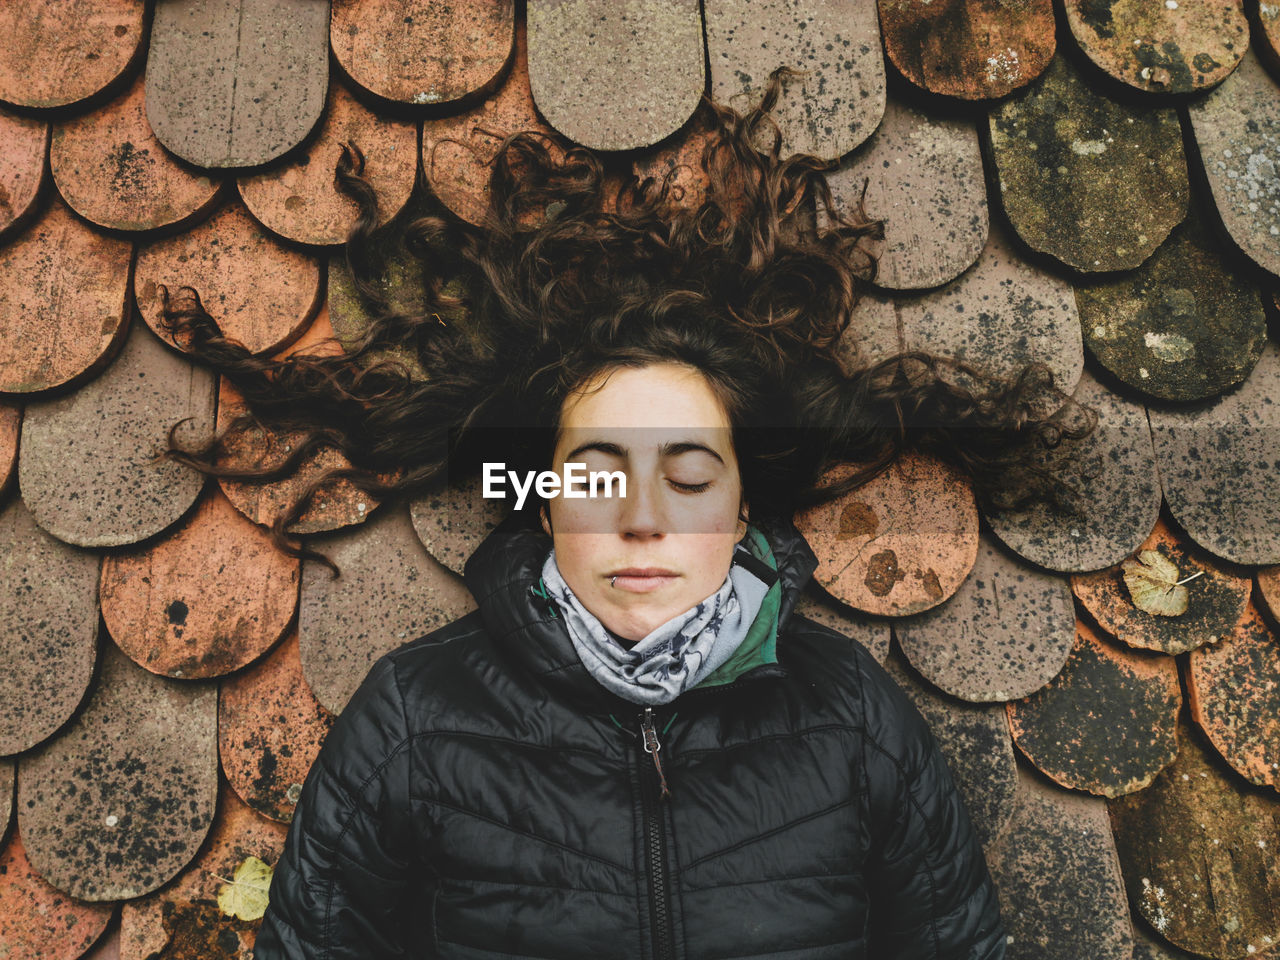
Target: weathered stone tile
1269,590
1233,685
107,948
10,419
1147,945
206,598
1162,47
973,49
1268,36
1237,128
1198,853
1061,893
301,200
56,55
975,741
6,794
270,728
1216,598
235,83
26,141
87,469
999,316
871,632
838,101
1091,181
873,334
37,921
62,305
1005,634
121,800
49,606
1185,325
111,169
1113,475
638,70
420,51
182,921
259,291
452,521
390,592
899,544
1218,466
925,180
1064,727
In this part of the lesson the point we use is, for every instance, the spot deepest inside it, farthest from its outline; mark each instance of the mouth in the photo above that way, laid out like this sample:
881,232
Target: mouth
640,579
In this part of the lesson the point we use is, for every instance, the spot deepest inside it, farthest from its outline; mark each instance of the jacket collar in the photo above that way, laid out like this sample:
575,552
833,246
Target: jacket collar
503,576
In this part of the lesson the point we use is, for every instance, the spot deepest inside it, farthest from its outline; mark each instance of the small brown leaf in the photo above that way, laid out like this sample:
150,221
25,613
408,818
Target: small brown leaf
1153,584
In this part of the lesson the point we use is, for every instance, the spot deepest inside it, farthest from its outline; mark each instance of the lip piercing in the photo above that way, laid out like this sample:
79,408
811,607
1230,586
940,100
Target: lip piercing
613,582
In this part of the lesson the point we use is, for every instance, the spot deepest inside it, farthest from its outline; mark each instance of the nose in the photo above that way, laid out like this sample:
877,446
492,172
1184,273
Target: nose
641,513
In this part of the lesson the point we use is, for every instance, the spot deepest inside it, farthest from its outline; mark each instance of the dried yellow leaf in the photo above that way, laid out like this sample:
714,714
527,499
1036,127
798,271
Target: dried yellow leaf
245,896
1153,584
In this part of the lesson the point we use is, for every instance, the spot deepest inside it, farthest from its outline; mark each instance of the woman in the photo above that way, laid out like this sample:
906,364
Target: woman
635,747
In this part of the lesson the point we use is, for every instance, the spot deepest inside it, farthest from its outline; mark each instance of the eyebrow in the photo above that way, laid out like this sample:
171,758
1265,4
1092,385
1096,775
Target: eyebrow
672,449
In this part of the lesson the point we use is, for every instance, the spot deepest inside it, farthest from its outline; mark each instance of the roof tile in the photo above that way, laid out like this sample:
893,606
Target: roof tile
1197,849
63,301
1005,634
390,592
49,607
925,179
680,157
112,170
300,200
207,597
1269,590
872,632
838,100
1237,128
1162,47
1216,598
26,141
638,70
122,800
1268,33
60,54
452,520
873,334
1112,472
1233,685
1057,727
101,488
1085,178
270,728
919,518
37,921
972,49
7,768
10,420
235,83
1218,469
420,51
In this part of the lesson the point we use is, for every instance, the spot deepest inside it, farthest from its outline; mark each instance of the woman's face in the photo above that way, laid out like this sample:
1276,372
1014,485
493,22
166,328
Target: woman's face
664,429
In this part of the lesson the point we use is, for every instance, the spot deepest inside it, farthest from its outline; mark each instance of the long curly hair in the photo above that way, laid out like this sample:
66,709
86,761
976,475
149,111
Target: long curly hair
576,270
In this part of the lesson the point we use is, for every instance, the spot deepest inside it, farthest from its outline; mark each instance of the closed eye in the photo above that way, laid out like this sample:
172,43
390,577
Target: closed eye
691,487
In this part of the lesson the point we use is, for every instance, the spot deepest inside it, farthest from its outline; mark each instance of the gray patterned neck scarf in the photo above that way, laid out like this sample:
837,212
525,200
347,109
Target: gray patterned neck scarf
676,655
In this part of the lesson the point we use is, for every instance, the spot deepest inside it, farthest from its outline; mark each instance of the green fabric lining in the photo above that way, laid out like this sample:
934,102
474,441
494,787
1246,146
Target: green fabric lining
760,646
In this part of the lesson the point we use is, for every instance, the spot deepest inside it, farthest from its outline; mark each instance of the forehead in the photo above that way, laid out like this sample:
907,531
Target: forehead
658,397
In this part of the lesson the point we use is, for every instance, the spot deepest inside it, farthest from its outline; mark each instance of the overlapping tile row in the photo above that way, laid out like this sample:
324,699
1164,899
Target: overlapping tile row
1100,194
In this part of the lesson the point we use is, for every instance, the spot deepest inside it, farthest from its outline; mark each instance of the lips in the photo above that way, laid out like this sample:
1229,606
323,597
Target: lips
641,579
642,572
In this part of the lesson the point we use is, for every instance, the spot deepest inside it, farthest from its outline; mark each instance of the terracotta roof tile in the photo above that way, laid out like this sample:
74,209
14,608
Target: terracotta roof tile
235,83
1216,598
38,921
1197,849
1217,466
100,488
57,55
924,178
26,142
638,70
972,49
1085,178
205,598
421,52
1162,47
10,419
1237,128
680,158
121,801
900,544
300,200
49,606
390,592
453,520
1005,634
63,301
111,169
872,632
837,102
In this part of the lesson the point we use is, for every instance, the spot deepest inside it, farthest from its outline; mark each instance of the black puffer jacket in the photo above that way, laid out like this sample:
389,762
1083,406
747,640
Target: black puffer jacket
477,800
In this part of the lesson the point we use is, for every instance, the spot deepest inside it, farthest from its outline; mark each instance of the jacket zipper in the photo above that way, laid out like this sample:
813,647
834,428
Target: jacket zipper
653,790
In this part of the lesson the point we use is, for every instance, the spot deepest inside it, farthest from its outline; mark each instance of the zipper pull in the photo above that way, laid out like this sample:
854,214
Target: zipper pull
651,746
